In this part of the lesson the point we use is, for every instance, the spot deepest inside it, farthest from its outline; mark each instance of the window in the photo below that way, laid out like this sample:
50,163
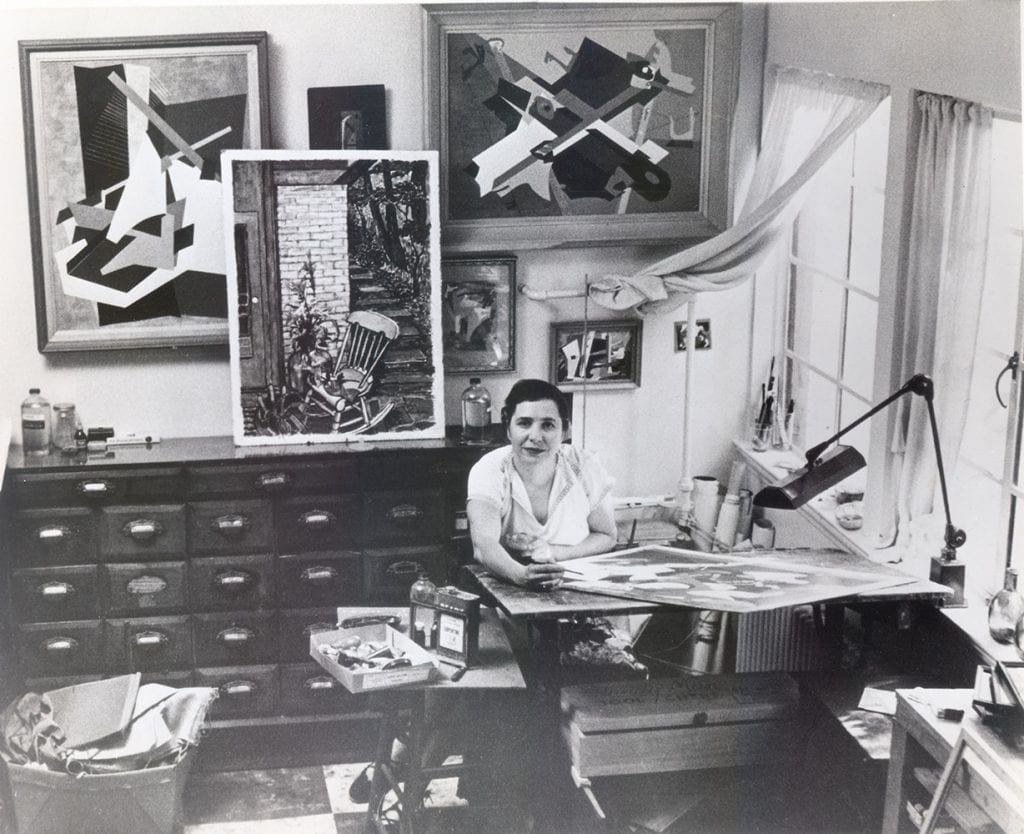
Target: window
832,295
985,492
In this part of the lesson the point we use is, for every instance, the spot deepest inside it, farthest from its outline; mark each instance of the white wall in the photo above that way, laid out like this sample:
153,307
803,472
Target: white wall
186,392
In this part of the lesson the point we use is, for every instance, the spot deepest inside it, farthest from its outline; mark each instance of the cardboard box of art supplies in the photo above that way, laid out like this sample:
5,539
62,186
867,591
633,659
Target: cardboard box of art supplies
371,657
681,723
129,781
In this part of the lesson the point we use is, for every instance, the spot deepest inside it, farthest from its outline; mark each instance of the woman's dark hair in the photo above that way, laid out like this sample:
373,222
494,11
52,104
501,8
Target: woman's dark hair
531,391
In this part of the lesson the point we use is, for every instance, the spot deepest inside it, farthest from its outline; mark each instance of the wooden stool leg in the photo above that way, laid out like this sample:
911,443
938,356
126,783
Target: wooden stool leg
945,783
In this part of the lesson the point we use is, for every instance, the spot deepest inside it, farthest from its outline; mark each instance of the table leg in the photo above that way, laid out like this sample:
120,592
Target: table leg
895,780
415,782
945,783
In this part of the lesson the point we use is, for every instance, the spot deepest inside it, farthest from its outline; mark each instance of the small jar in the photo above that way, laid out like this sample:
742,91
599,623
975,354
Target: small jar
64,425
1005,609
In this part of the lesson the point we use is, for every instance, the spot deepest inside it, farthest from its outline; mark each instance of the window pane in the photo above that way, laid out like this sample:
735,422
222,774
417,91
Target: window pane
974,506
859,353
866,238
1017,535
823,228
816,313
872,148
984,441
818,409
1002,284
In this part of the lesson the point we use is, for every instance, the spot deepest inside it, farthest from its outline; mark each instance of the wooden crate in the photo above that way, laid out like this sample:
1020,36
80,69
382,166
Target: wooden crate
688,723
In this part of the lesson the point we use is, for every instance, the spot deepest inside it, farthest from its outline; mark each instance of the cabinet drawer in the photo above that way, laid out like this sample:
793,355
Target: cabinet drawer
389,572
98,486
60,649
65,535
65,593
223,583
245,691
296,626
149,644
154,530
235,639
404,517
146,588
402,469
306,688
230,526
271,477
323,522
323,578
175,679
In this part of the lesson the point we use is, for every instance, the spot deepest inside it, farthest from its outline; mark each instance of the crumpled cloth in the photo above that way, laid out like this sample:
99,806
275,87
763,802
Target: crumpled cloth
648,294
29,733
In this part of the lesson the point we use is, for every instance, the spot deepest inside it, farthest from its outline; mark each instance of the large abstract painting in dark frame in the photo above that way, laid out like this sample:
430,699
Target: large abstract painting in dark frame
123,138
558,129
334,291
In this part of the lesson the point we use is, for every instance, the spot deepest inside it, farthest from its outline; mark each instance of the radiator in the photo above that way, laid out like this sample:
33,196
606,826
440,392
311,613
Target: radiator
781,640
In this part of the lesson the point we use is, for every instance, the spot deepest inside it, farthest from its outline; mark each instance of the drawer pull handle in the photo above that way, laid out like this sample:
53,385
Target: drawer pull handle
145,585
272,480
236,635
320,684
239,689
317,519
233,581
319,574
231,525
53,534
98,487
313,628
150,639
143,529
60,645
401,512
404,569
56,591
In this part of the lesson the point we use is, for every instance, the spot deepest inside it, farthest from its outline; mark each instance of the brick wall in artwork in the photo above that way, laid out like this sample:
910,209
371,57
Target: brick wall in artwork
312,225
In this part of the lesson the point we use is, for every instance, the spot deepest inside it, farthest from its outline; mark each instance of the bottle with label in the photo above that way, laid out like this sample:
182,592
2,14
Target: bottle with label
1005,609
476,413
35,424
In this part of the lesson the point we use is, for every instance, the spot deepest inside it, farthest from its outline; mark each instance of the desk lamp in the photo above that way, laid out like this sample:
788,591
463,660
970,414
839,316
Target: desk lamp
824,469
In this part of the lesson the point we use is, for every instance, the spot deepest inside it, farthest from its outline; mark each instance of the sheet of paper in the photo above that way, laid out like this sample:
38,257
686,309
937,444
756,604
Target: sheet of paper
878,700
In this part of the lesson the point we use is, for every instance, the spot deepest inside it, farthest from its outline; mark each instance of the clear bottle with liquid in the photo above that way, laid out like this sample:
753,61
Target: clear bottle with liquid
1006,609
476,413
35,423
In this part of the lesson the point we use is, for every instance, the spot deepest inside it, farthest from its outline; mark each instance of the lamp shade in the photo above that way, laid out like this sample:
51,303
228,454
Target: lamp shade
811,480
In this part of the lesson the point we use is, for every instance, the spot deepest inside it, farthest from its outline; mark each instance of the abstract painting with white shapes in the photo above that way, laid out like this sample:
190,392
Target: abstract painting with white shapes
719,581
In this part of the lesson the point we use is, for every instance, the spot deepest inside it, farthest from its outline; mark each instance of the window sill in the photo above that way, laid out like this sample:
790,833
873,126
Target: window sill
771,465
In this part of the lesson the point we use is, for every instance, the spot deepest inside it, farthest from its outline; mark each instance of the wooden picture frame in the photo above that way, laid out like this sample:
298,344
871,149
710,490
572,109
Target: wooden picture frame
598,354
347,118
557,128
479,313
334,289
122,140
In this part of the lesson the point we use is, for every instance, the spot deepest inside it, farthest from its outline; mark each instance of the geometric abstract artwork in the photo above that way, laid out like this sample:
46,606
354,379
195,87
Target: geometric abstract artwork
124,139
612,128
335,296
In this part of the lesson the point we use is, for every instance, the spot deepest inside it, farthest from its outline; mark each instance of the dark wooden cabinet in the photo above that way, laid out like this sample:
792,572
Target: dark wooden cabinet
197,562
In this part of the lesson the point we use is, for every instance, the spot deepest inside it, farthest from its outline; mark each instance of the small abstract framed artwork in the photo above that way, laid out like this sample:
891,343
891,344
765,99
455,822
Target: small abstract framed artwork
478,311
347,118
334,288
123,138
561,129
603,354
701,339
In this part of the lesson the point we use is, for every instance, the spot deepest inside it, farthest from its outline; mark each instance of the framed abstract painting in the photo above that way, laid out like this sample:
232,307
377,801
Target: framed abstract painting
123,138
598,354
479,313
347,118
334,287
556,129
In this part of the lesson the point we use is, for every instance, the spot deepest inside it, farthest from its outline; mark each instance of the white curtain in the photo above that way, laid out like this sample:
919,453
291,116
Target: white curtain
809,116
945,269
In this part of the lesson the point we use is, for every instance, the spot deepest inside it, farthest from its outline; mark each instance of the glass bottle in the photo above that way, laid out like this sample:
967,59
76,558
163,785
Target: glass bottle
1006,609
421,594
35,424
476,413
64,427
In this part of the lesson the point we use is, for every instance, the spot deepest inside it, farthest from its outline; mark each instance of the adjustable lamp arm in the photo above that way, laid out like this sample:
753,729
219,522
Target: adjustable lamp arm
922,386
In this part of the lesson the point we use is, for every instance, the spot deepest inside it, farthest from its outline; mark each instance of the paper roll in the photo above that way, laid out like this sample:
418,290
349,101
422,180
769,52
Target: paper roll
763,534
728,516
705,502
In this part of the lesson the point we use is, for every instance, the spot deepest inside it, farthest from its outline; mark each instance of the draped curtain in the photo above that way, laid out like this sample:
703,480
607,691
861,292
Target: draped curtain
809,116
945,268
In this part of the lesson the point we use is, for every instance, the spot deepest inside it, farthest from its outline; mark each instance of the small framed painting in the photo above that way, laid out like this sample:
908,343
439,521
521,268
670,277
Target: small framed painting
478,313
602,354
347,118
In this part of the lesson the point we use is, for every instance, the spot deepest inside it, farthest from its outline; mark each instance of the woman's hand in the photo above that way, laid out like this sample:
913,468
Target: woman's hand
541,576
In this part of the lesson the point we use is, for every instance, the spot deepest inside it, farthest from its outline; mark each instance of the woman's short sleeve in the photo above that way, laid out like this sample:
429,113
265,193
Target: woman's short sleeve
486,480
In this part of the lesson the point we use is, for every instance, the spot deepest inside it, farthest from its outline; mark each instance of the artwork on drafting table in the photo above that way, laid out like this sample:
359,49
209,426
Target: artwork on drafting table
123,138
334,285
718,581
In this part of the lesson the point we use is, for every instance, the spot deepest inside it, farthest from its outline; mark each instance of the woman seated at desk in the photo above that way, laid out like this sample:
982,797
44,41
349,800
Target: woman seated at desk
538,501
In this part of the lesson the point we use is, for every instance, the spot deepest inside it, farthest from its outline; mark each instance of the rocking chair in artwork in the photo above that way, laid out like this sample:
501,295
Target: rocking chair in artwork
368,336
